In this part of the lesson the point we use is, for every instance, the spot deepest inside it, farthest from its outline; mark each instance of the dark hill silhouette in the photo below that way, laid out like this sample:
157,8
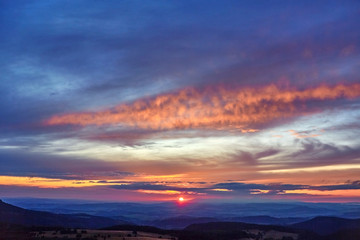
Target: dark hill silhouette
16,215
348,234
328,225
238,230
13,232
149,229
185,234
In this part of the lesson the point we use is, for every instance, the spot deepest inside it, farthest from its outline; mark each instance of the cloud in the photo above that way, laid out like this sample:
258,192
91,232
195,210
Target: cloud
314,152
151,188
18,162
212,107
283,189
86,59
304,134
144,186
267,153
351,185
238,189
238,186
125,137
248,159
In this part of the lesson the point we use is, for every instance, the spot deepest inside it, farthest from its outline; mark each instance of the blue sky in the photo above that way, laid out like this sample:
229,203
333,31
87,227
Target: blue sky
110,65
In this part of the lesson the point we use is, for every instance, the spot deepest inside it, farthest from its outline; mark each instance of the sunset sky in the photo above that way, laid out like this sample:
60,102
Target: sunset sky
153,100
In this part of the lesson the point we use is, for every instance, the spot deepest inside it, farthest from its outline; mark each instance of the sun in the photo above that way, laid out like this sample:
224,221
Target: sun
181,199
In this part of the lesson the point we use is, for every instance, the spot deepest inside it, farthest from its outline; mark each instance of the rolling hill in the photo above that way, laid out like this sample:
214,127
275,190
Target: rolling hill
181,222
267,220
328,225
15,215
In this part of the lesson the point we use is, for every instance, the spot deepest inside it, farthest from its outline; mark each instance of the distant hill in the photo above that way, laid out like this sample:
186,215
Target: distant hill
267,220
230,226
328,225
181,222
14,215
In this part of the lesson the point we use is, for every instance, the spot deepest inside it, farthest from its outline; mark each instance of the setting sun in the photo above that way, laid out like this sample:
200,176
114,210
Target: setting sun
181,199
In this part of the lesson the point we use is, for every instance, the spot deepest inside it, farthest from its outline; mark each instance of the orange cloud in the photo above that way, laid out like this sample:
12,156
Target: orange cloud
221,190
167,192
211,107
47,182
338,193
302,134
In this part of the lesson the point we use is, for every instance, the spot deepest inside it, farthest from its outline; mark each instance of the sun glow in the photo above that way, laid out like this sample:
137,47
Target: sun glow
181,199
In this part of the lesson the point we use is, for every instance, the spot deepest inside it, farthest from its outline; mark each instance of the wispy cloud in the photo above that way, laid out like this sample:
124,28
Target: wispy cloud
211,107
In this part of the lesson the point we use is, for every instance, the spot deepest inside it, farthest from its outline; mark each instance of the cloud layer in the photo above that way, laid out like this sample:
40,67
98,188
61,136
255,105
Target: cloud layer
265,95
213,107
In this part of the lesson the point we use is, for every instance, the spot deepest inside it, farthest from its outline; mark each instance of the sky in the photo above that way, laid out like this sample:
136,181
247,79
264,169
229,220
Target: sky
156,100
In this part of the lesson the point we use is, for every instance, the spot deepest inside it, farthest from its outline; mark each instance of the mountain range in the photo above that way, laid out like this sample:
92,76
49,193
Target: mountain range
16,223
